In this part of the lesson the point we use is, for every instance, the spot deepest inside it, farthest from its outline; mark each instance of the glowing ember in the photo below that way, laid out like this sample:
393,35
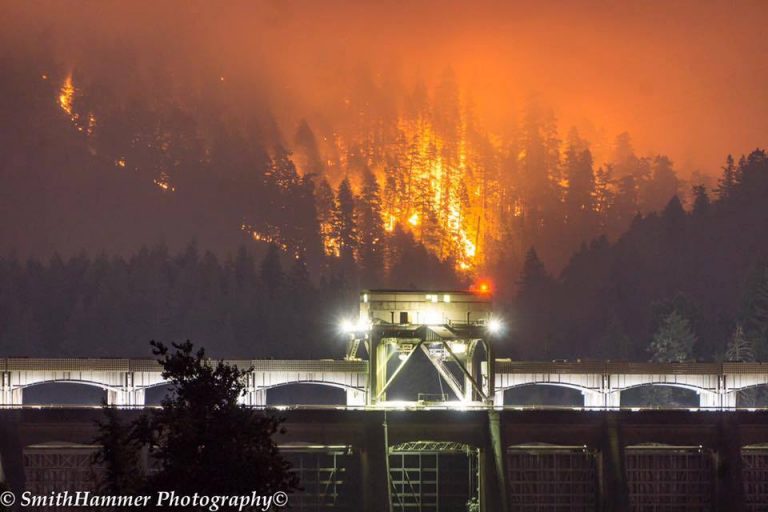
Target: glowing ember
67,96
163,182
261,236
91,126
390,224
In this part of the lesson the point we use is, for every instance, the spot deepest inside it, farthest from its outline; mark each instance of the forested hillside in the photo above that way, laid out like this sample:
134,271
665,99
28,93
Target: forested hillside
258,230
697,279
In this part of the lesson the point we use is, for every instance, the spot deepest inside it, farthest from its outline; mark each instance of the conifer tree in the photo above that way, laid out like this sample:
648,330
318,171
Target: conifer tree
673,341
344,223
306,144
728,180
661,187
739,348
325,206
534,277
580,192
701,201
754,312
202,438
271,271
371,229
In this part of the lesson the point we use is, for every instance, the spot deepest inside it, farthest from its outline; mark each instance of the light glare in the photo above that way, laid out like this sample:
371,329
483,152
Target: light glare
362,325
495,326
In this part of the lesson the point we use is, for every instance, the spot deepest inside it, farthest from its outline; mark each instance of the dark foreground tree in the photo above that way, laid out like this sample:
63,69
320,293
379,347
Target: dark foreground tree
201,440
120,455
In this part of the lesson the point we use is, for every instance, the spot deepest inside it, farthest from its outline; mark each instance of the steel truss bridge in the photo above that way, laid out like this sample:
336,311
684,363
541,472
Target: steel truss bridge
126,381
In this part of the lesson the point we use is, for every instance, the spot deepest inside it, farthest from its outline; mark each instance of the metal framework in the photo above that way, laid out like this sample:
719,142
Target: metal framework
670,478
324,473
754,473
59,467
556,478
433,476
449,327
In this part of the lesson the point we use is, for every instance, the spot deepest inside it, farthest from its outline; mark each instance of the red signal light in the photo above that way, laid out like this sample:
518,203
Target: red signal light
484,287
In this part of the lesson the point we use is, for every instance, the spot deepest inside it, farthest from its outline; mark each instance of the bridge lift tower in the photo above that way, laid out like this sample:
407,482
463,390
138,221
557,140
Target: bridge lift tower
452,328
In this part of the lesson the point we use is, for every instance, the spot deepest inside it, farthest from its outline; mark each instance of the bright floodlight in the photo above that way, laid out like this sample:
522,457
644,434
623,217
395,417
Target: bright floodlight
348,327
363,325
495,326
433,317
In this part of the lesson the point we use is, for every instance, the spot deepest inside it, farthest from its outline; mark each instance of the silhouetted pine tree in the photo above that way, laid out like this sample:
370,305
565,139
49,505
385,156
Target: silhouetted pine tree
271,271
673,341
345,227
739,349
371,232
728,181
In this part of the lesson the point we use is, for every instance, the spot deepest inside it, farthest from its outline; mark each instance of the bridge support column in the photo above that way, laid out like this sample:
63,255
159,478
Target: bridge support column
374,466
254,397
126,397
730,486
356,397
611,400
729,399
9,395
127,394
711,401
492,465
614,493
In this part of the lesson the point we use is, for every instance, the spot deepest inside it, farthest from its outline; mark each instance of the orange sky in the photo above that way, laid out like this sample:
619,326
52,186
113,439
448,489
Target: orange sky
686,78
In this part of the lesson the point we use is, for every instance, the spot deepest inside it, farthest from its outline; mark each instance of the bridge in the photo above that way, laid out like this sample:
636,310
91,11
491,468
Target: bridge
602,383
126,381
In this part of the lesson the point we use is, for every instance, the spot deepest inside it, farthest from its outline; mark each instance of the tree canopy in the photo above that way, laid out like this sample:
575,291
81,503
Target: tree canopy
202,439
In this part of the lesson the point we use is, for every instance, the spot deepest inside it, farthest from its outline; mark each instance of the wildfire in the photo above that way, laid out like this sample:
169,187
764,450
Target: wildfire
67,94
389,226
67,97
91,126
163,182
429,186
261,236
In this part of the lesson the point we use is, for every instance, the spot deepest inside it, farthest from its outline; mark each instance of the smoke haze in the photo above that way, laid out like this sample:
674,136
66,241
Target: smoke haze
684,78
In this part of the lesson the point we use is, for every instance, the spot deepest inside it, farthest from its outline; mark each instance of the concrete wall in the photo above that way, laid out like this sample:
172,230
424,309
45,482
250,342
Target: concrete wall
369,432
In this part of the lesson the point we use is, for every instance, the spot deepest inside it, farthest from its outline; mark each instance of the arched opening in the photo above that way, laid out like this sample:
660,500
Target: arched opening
154,395
659,396
664,477
535,469
329,476
306,394
433,475
752,397
543,395
63,393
